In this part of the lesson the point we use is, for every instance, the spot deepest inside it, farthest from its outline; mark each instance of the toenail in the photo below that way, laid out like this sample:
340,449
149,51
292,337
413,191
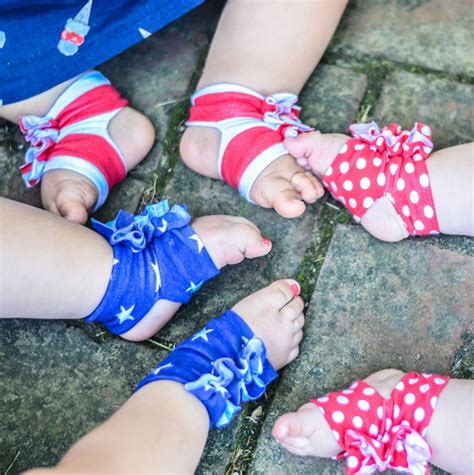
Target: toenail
267,242
295,288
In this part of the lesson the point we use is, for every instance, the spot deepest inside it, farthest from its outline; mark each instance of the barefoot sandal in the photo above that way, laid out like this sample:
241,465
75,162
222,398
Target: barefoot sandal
223,365
379,433
388,163
157,255
252,129
73,136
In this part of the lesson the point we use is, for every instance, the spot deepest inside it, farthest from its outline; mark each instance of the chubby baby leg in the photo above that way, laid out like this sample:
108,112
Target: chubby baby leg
451,172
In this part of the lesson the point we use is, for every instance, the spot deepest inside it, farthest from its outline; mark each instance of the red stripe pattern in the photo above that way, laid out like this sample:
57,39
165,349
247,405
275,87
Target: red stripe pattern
269,119
43,132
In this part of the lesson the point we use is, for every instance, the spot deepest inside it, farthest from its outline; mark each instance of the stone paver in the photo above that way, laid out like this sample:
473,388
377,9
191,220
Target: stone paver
434,34
57,383
327,108
375,306
157,74
445,105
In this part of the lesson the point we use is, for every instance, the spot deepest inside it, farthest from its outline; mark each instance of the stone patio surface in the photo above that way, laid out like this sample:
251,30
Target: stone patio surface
372,305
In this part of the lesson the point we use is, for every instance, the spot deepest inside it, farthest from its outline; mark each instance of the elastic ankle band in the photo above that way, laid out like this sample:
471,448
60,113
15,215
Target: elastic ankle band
157,255
223,365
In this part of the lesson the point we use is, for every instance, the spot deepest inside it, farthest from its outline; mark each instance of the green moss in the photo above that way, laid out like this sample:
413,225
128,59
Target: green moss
331,215
176,116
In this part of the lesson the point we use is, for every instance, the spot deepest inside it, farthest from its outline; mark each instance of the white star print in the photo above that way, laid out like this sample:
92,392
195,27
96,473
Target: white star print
116,261
156,270
164,225
145,33
157,370
194,287
202,334
198,241
125,314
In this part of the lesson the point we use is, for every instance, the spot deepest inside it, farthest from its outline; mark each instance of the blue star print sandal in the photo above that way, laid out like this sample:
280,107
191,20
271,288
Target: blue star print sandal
157,255
223,365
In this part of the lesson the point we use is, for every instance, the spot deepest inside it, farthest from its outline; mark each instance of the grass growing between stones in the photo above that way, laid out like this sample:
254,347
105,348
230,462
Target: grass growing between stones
331,215
377,69
178,114
11,464
158,180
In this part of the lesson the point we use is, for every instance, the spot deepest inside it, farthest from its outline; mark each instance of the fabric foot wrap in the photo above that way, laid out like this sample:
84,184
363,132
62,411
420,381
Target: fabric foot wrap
223,365
73,136
389,163
157,255
252,129
379,433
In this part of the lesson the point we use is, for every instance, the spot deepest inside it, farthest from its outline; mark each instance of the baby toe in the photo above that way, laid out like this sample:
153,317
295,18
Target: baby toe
73,211
292,310
287,426
308,186
68,194
253,243
287,202
281,292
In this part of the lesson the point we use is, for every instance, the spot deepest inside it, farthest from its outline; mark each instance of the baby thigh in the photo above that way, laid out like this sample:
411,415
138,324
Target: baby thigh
382,221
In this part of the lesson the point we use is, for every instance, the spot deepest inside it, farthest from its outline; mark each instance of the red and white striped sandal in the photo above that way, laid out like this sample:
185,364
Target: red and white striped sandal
73,136
252,129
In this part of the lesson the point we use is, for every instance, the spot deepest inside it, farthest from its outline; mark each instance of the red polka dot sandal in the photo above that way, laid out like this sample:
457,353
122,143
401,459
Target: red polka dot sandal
252,129
379,433
388,163
73,136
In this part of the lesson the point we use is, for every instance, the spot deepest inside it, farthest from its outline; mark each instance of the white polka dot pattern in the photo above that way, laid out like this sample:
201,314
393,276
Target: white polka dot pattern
360,413
392,165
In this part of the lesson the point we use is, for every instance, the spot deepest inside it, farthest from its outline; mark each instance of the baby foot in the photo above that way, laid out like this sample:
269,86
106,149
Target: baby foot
315,151
275,315
306,432
72,195
228,240
283,185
